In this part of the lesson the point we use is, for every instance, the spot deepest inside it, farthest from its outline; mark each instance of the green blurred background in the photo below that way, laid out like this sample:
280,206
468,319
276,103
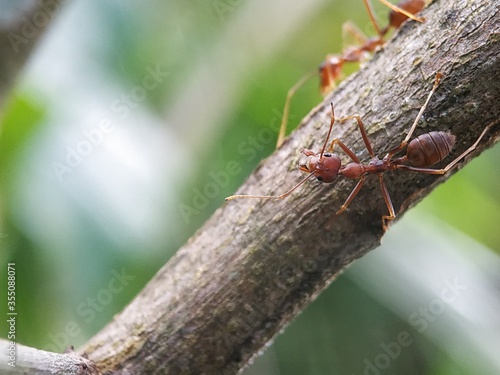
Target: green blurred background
157,97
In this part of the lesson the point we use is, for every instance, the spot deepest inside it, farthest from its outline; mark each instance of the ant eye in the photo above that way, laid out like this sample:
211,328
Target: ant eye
327,154
319,178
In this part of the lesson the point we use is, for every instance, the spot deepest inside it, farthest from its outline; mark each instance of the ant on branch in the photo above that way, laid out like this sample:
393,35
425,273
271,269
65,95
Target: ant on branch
330,70
422,152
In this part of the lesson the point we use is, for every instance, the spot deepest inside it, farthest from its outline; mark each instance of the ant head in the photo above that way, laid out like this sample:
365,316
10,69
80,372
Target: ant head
325,168
329,71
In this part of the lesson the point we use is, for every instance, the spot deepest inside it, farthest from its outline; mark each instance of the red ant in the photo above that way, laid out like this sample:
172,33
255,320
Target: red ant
330,70
422,152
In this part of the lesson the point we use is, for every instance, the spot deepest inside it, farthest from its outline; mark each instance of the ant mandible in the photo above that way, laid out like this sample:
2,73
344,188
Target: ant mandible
422,152
330,70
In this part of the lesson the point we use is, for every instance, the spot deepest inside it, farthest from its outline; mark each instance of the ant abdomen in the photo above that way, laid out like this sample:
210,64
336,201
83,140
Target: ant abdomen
430,148
411,6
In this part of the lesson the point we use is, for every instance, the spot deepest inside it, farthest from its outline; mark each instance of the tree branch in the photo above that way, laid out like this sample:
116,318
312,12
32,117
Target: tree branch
256,264
21,359
20,30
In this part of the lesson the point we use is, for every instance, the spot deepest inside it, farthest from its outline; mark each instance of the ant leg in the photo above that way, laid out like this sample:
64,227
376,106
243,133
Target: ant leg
450,165
346,149
356,48
349,28
403,144
351,196
371,14
437,81
386,219
286,109
362,130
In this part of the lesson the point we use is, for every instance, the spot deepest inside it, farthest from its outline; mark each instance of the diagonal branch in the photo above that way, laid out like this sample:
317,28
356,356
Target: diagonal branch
256,264
22,360
21,28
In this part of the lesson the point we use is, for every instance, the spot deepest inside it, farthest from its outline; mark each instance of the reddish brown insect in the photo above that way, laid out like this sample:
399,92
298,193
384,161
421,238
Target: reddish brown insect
330,70
422,152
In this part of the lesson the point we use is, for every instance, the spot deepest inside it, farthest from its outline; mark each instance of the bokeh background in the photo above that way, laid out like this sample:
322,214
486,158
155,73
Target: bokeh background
128,110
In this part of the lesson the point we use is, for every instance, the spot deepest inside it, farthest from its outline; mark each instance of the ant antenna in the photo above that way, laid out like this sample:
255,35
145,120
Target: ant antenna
332,120
284,195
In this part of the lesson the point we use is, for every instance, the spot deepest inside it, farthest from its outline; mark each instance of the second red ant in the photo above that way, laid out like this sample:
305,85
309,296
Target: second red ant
330,70
422,152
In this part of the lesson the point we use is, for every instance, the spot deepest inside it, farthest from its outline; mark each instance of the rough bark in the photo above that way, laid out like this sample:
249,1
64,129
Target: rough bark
20,30
256,264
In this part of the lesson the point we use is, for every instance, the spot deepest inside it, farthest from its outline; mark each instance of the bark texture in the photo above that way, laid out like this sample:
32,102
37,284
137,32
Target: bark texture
256,264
